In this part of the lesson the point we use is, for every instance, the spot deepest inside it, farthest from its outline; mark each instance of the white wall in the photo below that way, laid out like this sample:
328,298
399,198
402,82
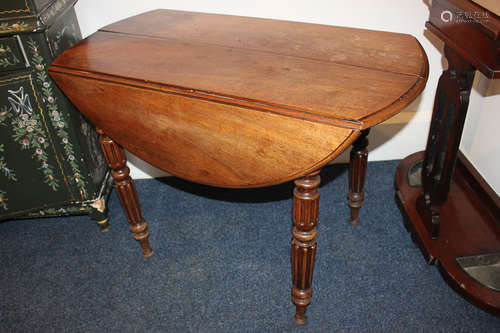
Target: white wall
481,136
396,138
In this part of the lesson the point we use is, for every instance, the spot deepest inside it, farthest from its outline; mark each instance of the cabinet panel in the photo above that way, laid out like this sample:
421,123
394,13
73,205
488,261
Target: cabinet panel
27,150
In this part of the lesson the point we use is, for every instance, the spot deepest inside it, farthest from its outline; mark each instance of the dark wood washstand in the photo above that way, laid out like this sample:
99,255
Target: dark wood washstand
451,212
240,102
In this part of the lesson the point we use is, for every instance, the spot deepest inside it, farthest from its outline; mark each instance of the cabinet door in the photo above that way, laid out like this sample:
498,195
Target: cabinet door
28,158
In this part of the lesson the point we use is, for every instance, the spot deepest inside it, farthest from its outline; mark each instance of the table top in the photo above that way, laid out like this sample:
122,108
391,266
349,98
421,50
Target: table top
342,75
234,92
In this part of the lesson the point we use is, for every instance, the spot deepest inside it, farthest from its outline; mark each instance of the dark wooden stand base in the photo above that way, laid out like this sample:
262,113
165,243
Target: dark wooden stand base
469,225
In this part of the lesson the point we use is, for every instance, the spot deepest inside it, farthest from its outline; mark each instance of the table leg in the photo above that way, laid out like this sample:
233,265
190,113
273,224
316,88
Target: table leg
303,249
125,188
357,172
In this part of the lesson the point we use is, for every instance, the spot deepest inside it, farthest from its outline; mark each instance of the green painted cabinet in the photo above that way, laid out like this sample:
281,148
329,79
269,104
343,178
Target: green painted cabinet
50,160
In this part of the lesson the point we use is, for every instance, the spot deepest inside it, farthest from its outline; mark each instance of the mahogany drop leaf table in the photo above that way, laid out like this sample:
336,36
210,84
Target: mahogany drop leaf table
240,102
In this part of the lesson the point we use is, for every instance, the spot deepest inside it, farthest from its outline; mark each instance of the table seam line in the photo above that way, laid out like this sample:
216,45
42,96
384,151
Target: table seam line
263,51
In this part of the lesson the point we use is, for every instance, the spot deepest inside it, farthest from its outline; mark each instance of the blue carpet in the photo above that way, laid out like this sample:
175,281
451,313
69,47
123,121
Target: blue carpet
221,264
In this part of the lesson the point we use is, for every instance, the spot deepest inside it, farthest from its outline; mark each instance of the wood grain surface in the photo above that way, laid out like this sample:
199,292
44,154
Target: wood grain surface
348,46
239,102
335,73
205,141
236,101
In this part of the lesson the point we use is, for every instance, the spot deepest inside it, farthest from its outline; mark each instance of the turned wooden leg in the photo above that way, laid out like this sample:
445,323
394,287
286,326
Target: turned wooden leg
305,217
125,188
357,173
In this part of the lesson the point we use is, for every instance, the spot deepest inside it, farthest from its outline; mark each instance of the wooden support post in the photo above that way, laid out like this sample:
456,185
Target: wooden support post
357,174
448,118
125,188
305,217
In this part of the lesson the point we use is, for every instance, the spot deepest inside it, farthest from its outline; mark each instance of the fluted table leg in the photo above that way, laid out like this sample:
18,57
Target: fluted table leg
305,217
125,188
357,173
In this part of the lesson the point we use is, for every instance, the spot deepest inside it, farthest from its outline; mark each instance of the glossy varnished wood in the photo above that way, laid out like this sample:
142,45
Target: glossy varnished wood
242,102
204,141
305,218
319,90
353,93
469,226
358,160
448,118
125,189
342,45
236,84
